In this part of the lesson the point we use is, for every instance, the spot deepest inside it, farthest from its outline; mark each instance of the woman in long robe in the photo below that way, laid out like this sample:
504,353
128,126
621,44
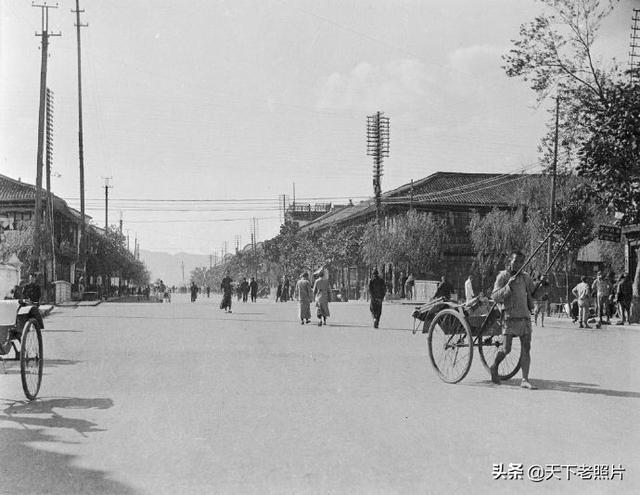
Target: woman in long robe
227,292
304,294
322,291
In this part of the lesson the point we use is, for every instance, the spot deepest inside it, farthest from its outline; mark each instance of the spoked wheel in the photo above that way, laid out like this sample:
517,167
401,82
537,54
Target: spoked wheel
489,346
31,361
450,345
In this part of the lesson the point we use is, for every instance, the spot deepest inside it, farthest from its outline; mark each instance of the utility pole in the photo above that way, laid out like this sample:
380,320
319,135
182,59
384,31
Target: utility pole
83,225
552,212
378,148
411,197
283,200
49,162
106,202
182,264
44,34
634,56
120,222
237,239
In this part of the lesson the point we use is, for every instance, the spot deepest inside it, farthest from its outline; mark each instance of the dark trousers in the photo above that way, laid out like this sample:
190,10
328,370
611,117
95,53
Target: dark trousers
375,306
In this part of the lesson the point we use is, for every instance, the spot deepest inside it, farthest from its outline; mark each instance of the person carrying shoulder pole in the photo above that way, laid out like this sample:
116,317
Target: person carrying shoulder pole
512,291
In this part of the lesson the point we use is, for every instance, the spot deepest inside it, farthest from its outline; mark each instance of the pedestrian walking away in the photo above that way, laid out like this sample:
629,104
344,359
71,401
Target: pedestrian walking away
304,295
512,292
244,288
227,292
194,291
322,293
253,288
377,291
284,296
582,291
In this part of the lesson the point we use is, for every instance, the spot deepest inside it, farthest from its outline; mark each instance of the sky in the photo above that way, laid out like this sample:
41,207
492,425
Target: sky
203,113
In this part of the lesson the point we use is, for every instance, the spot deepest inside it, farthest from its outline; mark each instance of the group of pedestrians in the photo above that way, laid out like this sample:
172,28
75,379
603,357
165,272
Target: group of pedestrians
610,296
320,293
243,289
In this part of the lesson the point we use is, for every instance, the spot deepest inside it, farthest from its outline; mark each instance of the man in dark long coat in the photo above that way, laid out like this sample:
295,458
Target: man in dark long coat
377,291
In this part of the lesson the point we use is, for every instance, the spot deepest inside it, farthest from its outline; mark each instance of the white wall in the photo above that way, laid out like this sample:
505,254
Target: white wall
9,278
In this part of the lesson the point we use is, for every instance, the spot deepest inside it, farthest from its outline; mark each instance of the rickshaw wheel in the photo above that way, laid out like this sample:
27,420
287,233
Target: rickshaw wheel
488,347
450,345
31,361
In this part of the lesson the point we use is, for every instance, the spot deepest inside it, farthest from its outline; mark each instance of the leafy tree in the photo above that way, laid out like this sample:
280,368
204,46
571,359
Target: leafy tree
414,239
109,256
20,243
610,161
610,156
554,53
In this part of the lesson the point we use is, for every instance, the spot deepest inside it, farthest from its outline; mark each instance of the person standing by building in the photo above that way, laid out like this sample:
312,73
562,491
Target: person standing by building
377,291
408,286
227,292
32,290
468,288
582,292
444,289
322,293
512,292
622,298
541,300
304,295
253,288
602,289
284,297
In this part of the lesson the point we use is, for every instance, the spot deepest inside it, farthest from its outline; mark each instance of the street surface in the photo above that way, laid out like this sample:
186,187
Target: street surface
183,398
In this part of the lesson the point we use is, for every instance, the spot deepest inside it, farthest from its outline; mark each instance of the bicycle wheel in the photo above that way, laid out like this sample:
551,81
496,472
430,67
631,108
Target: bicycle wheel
31,361
450,345
488,347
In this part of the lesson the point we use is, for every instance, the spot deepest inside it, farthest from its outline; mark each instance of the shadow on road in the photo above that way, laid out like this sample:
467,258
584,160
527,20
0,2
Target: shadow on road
563,386
12,366
27,467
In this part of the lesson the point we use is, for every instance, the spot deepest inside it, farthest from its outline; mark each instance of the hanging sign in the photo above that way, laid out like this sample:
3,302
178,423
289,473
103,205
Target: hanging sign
609,233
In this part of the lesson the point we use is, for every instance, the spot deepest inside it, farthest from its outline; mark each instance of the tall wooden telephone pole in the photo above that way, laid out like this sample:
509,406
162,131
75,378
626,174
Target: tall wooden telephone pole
83,226
44,34
378,148
552,211
106,202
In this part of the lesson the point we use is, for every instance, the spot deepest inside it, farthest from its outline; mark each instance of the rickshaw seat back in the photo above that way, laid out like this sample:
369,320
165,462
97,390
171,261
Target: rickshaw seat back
477,310
8,312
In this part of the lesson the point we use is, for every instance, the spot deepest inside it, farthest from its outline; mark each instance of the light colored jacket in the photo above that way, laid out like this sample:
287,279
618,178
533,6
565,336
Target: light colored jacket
515,300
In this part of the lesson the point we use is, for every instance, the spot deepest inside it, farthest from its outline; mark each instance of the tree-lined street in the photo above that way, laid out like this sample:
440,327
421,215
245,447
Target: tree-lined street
183,398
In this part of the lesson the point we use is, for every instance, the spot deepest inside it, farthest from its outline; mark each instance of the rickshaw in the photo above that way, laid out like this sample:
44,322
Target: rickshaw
21,332
454,329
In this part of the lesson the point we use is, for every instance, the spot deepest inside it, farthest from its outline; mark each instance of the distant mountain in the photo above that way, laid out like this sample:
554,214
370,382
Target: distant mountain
168,267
